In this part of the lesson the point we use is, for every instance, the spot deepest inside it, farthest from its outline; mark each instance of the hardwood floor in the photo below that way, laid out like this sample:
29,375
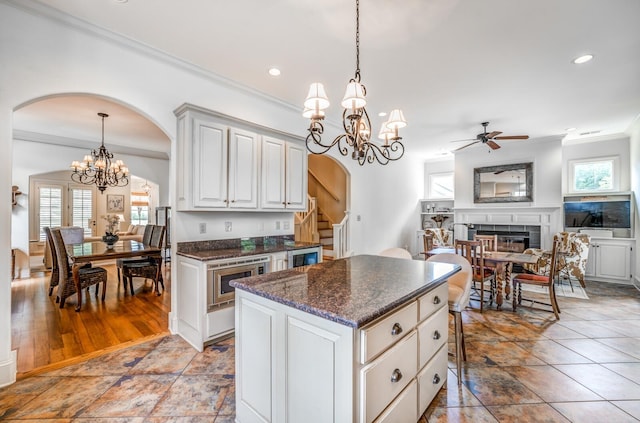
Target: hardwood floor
45,335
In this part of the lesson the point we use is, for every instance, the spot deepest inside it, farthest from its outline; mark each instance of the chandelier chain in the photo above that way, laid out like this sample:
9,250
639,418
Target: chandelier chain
358,40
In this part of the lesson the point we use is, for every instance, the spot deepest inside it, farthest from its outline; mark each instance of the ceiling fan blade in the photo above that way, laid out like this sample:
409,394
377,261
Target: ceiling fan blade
465,146
468,139
513,137
493,134
493,145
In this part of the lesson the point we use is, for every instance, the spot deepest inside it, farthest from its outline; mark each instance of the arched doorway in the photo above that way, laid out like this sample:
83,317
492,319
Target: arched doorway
48,133
329,184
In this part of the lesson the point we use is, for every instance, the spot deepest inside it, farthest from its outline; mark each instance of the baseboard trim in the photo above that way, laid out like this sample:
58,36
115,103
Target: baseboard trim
8,369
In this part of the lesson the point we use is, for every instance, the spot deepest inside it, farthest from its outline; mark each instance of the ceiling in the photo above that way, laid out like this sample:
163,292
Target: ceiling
449,64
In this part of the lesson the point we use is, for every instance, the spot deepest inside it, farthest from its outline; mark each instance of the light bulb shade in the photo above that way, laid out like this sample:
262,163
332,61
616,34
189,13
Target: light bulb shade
385,131
317,98
396,119
354,96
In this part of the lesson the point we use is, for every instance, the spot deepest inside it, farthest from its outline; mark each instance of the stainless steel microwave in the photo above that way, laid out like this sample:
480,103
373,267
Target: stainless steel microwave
222,272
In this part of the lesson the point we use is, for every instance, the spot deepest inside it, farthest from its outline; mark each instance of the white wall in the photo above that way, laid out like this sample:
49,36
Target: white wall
546,156
42,56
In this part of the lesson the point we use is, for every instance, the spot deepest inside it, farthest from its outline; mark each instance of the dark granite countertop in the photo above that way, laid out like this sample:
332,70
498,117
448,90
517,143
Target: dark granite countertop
225,249
352,291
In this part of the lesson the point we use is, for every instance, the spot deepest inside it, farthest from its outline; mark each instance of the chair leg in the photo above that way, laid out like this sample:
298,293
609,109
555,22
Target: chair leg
118,269
481,295
457,316
131,284
554,303
514,297
104,289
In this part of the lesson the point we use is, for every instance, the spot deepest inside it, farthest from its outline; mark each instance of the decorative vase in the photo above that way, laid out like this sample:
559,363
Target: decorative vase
110,239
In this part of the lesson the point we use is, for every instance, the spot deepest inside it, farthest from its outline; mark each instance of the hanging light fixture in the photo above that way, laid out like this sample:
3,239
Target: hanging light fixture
146,187
98,168
355,121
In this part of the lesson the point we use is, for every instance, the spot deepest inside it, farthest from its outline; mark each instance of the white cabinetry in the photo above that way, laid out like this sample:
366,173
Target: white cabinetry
284,175
195,323
225,166
610,259
278,261
219,164
289,362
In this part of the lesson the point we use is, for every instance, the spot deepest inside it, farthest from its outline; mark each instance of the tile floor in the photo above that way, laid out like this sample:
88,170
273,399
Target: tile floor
522,367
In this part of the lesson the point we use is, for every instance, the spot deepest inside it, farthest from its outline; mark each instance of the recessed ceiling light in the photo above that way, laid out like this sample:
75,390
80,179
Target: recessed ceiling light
583,59
570,129
121,1
274,72
382,114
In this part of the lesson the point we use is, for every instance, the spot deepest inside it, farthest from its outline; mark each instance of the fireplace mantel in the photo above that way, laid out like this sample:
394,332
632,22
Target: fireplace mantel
548,218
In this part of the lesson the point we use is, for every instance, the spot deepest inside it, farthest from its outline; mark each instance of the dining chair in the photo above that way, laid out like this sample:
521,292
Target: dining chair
490,241
473,251
459,294
427,244
539,280
147,267
396,252
146,239
88,276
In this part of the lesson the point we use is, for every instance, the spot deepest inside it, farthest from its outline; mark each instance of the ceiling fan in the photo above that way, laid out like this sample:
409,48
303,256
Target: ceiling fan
489,138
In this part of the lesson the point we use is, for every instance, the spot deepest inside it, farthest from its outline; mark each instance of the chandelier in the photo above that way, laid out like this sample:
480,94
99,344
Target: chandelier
97,168
355,121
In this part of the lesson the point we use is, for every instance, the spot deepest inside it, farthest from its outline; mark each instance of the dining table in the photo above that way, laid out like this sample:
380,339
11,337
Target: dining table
503,262
86,252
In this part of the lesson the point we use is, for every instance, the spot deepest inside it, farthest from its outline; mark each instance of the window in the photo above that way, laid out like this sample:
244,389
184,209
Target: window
593,175
82,209
139,208
49,208
441,185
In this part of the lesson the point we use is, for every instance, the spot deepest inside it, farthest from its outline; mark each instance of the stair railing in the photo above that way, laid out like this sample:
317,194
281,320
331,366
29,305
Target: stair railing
341,247
306,225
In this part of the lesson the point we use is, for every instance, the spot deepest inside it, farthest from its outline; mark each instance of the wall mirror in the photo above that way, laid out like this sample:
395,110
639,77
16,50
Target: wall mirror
503,184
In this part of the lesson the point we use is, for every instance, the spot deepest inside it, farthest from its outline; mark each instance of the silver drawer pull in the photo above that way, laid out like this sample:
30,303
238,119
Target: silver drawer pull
436,300
396,376
396,329
436,335
436,379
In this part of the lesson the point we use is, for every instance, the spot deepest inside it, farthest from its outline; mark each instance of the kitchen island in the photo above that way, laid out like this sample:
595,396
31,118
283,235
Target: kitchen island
360,339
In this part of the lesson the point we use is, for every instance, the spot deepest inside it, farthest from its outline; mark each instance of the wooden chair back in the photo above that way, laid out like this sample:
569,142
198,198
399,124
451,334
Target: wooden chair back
427,239
61,253
490,241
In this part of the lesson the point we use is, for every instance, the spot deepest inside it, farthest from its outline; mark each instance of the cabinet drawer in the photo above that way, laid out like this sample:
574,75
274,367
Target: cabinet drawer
432,301
431,379
432,334
403,409
381,335
383,379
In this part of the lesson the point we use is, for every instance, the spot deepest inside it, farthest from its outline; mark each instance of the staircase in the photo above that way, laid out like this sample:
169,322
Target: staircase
325,228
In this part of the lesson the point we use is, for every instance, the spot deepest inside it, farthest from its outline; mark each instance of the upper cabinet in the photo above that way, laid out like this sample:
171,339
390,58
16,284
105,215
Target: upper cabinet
228,163
284,175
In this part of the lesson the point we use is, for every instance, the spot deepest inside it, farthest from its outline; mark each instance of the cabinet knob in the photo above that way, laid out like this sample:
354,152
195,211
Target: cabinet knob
283,203
436,300
436,335
226,201
436,379
396,329
396,376
233,201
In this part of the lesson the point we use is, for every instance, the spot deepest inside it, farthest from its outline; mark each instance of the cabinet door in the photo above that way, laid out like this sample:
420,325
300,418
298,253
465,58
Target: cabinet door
273,173
613,260
243,169
278,261
591,260
210,164
296,179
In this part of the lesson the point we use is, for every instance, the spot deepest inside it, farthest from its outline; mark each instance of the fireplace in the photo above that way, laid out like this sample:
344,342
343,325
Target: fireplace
511,238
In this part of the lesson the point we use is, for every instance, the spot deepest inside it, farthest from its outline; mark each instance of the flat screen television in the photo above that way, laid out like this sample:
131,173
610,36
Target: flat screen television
597,214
